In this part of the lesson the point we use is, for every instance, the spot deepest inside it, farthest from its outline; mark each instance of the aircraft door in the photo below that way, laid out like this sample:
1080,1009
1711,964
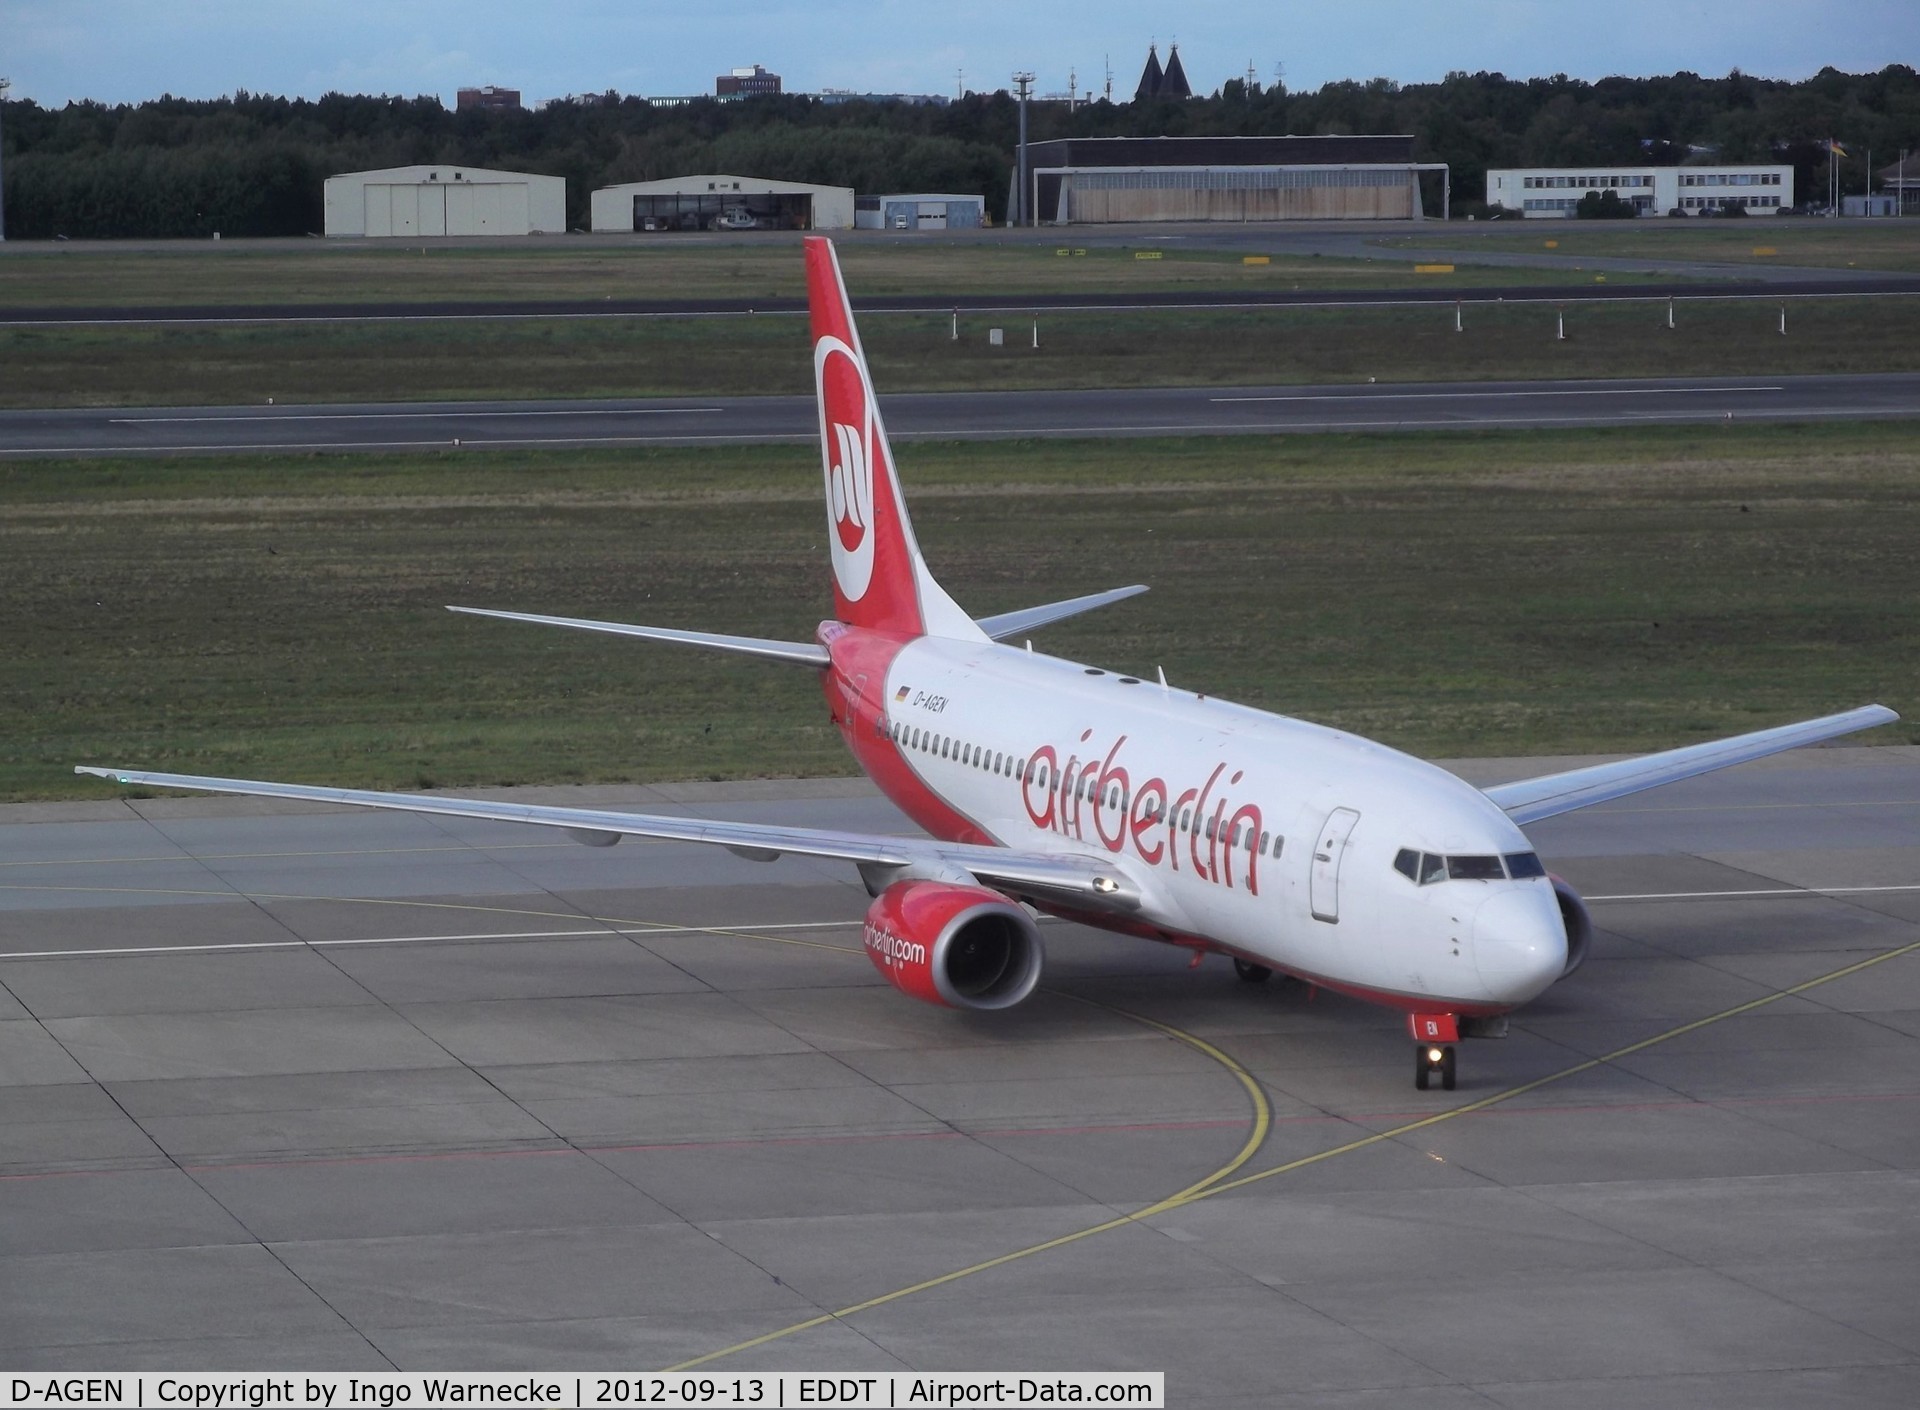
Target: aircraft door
1329,849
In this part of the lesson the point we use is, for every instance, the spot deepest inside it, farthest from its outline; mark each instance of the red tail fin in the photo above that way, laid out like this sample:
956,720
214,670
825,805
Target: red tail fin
879,578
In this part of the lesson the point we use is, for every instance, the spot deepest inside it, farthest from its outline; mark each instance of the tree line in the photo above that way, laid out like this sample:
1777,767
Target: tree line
253,164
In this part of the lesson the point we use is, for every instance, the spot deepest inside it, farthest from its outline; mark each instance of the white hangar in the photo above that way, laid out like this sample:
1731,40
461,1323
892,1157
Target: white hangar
715,202
445,200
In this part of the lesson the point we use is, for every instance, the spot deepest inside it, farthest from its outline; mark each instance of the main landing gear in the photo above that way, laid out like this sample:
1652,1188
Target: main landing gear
1251,973
1434,1035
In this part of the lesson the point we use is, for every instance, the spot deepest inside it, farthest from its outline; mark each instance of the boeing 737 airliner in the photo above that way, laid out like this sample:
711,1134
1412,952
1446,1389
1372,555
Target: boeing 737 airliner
1120,802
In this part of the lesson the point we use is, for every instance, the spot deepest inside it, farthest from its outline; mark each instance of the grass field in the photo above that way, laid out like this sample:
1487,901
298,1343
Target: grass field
1886,244
63,366
1459,594
758,266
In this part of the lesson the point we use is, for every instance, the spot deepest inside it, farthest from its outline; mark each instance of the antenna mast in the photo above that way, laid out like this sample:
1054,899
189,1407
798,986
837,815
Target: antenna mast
5,84
1023,83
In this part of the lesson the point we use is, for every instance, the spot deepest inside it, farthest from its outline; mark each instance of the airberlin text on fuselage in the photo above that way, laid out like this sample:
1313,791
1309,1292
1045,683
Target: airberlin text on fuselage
1096,799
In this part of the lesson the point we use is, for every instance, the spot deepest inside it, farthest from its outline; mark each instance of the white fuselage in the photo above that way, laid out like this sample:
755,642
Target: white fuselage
1265,836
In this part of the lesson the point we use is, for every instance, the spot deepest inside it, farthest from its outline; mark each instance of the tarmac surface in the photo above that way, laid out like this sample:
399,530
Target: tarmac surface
316,1089
1177,411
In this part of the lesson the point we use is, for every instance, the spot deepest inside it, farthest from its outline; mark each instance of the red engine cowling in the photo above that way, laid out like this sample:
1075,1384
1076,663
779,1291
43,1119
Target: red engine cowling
962,946
1573,915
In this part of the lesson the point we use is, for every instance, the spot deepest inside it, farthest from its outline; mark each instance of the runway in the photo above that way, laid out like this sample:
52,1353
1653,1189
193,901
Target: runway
1172,411
312,1089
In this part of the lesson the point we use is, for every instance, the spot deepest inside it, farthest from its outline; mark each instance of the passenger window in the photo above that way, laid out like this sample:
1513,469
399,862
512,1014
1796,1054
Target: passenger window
1522,865
1278,841
1407,863
1432,868
1263,842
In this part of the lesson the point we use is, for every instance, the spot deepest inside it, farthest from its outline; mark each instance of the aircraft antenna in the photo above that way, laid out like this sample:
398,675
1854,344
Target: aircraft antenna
1161,671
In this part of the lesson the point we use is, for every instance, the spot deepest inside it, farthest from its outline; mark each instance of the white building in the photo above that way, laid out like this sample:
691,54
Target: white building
716,202
922,211
1548,193
445,200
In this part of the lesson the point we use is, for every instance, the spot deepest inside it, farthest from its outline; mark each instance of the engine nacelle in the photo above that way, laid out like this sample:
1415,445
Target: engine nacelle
1579,924
962,946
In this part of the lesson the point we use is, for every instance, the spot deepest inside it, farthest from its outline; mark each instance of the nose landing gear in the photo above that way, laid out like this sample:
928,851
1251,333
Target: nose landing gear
1434,1035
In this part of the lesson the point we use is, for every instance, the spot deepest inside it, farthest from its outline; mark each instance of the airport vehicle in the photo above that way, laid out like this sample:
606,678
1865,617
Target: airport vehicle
1118,801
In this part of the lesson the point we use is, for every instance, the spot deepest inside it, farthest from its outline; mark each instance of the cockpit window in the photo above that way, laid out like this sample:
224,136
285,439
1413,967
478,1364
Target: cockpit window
1475,869
1426,868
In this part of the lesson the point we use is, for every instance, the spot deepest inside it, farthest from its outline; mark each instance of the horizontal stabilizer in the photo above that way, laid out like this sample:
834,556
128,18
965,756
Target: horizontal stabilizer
804,653
1027,618
1532,799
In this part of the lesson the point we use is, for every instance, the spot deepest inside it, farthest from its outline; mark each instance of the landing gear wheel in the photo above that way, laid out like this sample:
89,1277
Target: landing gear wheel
1251,973
1431,1058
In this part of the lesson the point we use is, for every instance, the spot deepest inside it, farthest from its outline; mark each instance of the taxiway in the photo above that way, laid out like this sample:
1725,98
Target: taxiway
1163,411
317,1089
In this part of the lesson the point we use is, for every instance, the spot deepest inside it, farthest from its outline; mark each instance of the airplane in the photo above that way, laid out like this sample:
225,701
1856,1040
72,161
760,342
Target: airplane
1045,785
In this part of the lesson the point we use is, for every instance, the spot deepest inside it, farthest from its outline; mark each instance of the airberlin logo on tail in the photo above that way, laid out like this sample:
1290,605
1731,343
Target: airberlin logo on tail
849,446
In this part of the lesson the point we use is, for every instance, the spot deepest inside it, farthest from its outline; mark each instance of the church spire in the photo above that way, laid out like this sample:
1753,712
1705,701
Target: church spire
1173,83
1151,77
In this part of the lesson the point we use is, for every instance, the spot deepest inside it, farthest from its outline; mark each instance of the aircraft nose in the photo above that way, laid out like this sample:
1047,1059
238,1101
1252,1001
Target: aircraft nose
1519,942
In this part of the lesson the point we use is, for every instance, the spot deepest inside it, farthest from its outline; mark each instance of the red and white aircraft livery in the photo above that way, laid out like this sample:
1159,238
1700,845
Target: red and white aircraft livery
1121,802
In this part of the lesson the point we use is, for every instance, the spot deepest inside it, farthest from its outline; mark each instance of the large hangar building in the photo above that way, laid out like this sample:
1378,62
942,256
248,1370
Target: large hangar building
1110,180
716,202
445,200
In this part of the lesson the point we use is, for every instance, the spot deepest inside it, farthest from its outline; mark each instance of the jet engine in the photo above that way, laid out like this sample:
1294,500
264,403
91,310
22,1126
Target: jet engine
961,946
1579,924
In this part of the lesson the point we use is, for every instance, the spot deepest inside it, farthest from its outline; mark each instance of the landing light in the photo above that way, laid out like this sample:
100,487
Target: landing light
1434,1056
1105,885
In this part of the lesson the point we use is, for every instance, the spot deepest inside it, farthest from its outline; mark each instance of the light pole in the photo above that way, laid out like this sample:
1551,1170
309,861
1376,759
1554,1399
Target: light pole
4,85
1023,84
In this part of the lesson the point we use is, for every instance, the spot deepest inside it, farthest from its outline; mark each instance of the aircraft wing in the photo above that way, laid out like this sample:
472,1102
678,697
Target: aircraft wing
1081,878
1532,799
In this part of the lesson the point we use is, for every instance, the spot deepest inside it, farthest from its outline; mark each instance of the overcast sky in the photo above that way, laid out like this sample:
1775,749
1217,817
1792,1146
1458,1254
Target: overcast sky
126,50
